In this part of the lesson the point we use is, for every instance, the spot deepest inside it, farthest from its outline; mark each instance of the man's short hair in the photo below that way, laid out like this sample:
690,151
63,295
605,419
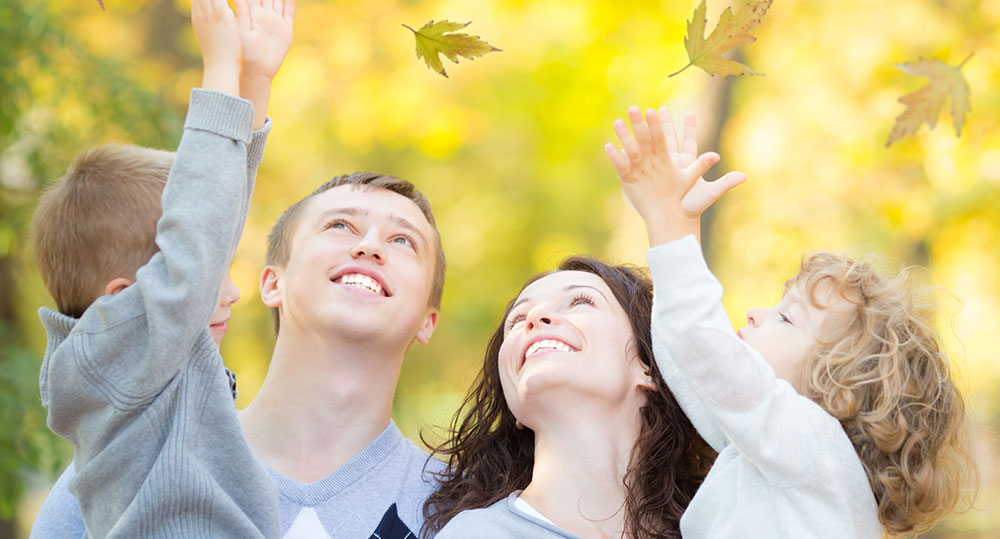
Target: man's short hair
279,240
99,222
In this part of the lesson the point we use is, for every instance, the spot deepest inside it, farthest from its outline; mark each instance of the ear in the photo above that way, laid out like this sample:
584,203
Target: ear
427,328
116,285
270,289
642,376
646,382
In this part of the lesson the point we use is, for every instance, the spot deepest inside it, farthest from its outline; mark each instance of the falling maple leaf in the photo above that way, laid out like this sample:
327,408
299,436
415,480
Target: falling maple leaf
434,38
732,31
924,105
101,3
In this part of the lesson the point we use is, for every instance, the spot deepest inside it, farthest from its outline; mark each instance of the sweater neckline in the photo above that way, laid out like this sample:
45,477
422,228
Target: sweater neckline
310,494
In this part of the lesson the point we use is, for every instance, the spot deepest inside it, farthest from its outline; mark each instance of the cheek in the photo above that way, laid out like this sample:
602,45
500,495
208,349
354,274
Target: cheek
505,357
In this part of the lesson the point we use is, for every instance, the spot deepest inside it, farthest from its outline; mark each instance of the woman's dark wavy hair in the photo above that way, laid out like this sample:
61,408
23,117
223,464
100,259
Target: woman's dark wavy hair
488,457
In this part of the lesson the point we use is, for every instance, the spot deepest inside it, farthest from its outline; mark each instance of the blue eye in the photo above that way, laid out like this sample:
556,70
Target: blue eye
337,224
403,240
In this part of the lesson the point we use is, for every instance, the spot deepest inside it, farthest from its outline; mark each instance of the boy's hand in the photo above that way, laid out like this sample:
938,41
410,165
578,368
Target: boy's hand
219,41
663,181
265,28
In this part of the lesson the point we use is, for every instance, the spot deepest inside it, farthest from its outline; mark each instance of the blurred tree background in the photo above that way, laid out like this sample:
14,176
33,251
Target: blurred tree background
509,152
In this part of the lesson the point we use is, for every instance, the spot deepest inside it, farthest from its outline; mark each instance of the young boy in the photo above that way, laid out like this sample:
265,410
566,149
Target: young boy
132,375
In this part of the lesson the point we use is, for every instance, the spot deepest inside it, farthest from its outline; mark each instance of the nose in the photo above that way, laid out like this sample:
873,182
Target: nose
754,317
539,317
228,292
368,246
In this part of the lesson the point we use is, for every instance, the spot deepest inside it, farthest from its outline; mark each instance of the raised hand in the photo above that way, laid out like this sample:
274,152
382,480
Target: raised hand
662,178
265,29
266,34
219,41
704,193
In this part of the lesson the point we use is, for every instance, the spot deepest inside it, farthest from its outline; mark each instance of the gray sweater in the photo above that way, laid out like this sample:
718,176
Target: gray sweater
502,519
380,493
136,383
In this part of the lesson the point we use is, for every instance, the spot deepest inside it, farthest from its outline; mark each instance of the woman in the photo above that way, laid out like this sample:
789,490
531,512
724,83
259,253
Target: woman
569,429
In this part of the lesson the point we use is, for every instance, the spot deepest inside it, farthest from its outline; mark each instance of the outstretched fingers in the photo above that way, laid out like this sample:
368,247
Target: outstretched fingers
656,136
618,159
690,133
289,11
701,165
243,17
641,130
715,190
669,133
629,145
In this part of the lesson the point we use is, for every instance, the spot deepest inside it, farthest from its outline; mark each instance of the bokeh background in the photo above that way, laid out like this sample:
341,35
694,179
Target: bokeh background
508,149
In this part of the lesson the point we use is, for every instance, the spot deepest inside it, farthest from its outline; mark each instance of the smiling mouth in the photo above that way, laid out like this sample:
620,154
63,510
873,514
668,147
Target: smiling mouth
546,345
361,281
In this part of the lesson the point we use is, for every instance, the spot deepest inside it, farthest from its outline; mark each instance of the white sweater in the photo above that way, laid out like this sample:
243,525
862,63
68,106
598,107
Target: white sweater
786,468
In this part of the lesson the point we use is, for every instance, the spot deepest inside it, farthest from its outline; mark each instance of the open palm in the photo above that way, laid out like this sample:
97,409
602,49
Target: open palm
266,35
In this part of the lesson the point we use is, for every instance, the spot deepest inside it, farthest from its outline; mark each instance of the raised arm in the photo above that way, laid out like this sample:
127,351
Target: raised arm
662,179
265,29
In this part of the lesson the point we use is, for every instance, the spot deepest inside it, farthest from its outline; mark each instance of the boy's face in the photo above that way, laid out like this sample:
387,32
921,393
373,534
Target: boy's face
228,295
786,334
361,265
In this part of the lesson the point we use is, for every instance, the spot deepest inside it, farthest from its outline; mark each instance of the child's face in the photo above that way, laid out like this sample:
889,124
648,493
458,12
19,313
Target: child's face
228,295
786,334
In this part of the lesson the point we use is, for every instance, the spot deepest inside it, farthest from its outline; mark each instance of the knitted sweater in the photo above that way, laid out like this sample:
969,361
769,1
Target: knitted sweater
786,468
379,493
137,384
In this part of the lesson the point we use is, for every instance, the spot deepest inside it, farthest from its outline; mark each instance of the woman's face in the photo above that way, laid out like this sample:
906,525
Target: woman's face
569,343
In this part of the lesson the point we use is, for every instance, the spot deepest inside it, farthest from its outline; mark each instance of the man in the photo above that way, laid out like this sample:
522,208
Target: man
354,275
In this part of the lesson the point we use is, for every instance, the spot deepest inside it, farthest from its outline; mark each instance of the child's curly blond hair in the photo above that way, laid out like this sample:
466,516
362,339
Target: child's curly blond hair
881,372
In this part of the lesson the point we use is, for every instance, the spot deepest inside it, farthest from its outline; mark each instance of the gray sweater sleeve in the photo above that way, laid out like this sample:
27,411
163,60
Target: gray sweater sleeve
126,347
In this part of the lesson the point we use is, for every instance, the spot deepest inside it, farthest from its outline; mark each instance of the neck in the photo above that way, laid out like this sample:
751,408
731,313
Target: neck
577,478
322,402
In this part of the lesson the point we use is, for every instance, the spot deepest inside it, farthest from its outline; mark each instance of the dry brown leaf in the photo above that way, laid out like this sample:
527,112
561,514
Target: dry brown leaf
731,32
436,38
924,105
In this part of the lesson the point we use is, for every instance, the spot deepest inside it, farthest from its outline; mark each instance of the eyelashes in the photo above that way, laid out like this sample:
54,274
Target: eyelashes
514,320
579,299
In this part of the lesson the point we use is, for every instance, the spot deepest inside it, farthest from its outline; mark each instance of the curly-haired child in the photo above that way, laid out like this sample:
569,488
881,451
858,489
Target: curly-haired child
834,413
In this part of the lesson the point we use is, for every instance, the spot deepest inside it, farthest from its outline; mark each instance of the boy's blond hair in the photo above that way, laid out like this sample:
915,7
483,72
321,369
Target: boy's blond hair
99,222
882,373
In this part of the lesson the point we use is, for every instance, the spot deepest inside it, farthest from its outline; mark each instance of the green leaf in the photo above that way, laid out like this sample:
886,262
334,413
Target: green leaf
731,32
924,105
433,39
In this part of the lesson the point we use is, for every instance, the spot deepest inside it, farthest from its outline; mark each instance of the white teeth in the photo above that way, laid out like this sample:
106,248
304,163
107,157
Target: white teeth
362,281
547,344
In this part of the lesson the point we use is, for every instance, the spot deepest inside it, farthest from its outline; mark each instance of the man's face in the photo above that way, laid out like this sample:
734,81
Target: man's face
361,265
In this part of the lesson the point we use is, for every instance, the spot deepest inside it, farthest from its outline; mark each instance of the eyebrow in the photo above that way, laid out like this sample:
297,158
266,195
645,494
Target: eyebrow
795,300
566,289
361,212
